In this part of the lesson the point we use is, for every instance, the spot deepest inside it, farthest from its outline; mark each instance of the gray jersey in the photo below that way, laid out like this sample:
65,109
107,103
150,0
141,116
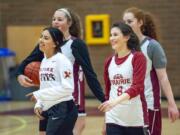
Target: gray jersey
156,59
156,53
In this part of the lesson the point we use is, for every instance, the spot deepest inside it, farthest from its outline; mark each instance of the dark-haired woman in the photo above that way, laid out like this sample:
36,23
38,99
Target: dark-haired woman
126,109
54,96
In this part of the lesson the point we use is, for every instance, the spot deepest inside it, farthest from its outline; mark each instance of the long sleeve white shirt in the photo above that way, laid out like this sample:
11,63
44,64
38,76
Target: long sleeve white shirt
56,81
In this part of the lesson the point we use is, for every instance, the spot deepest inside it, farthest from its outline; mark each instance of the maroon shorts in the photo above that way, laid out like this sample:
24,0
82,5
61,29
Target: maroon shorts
155,122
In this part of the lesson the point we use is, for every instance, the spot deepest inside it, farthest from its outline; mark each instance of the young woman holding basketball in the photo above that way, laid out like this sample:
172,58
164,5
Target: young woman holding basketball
54,98
124,73
143,25
77,52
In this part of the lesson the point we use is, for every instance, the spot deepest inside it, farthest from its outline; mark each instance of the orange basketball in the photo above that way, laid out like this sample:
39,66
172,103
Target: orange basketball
32,71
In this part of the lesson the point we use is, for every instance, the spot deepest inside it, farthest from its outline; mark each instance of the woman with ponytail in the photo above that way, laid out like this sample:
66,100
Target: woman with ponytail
126,109
156,78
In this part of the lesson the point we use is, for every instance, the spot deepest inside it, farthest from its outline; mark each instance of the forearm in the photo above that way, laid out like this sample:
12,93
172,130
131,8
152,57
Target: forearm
92,80
108,105
166,88
96,88
173,112
35,55
81,54
123,97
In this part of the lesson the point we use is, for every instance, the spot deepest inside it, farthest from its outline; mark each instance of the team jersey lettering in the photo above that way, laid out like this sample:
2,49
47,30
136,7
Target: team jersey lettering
118,79
119,90
47,77
47,69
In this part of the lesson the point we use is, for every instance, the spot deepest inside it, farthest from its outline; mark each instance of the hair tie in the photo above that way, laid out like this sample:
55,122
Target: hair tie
66,12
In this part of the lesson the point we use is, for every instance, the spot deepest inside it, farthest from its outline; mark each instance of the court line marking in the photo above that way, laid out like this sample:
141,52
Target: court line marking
23,124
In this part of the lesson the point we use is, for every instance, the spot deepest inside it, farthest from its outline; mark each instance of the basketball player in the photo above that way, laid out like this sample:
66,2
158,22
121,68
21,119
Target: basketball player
77,52
143,25
124,73
54,98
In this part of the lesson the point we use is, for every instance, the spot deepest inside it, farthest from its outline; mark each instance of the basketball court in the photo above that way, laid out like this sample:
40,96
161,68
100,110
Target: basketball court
17,118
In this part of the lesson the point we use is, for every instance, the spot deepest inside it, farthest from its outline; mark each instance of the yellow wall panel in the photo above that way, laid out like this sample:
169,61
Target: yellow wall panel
97,29
22,39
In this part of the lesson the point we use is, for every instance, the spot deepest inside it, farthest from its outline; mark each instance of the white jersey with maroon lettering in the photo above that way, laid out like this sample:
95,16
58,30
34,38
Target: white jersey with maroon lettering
128,113
56,81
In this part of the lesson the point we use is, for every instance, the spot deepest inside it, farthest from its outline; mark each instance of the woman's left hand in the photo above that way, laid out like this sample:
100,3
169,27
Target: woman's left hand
107,105
173,112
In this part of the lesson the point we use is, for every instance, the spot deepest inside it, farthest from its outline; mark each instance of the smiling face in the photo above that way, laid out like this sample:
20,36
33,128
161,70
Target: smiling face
133,22
61,21
46,43
117,39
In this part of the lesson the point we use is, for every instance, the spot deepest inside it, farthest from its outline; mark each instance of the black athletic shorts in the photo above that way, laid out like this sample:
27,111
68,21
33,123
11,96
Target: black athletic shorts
59,117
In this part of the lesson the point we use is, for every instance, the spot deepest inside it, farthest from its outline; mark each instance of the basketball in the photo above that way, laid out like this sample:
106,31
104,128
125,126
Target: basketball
32,71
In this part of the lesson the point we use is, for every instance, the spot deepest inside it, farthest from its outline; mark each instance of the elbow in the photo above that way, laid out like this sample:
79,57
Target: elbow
131,94
134,92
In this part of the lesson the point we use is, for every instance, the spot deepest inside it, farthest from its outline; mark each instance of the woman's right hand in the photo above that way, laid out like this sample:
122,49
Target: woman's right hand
25,81
108,105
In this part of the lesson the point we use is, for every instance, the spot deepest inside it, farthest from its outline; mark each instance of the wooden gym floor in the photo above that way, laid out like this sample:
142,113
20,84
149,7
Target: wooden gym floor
17,118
